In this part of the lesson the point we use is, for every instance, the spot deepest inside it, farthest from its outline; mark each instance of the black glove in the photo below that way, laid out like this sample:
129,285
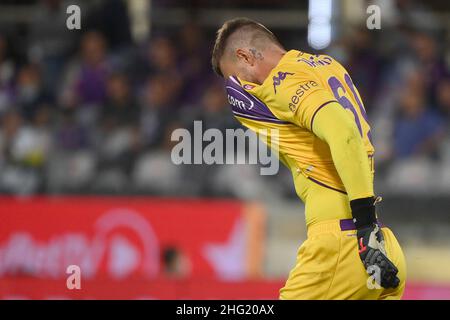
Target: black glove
371,243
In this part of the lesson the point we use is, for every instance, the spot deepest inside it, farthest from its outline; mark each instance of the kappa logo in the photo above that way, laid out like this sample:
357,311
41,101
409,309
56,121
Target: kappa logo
278,78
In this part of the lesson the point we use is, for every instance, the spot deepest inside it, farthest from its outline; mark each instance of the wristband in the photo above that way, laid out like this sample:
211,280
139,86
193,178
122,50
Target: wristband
363,212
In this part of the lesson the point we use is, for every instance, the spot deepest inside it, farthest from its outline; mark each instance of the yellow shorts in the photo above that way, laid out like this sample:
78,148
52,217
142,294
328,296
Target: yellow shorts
329,267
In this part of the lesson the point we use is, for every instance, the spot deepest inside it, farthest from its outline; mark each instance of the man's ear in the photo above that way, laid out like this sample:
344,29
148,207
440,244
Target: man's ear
245,56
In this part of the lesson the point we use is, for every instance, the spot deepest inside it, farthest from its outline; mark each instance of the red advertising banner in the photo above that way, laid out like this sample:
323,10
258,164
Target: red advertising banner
115,239
139,248
164,288
132,289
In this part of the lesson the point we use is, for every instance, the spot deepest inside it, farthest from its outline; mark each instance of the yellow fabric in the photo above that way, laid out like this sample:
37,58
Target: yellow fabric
328,267
321,204
295,89
333,125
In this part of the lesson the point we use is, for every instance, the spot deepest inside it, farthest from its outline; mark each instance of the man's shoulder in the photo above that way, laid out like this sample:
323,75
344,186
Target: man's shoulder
308,64
299,66
247,104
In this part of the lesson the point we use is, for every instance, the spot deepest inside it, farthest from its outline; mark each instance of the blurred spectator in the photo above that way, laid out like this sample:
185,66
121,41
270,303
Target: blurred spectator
157,109
120,107
29,90
195,72
72,163
93,70
443,100
364,65
26,144
40,135
162,56
112,20
24,150
443,97
418,130
117,148
156,173
214,109
118,139
7,69
70,135
416,14
86,80
158,57
11,125
428,58
49,40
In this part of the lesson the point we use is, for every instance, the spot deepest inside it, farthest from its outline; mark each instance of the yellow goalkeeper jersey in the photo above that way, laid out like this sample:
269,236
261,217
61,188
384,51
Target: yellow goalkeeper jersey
288,100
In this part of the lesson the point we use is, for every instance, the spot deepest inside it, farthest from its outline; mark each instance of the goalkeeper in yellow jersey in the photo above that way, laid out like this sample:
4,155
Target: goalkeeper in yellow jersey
324,138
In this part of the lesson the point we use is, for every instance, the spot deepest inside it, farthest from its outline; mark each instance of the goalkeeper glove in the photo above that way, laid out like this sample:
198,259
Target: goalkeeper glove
371,243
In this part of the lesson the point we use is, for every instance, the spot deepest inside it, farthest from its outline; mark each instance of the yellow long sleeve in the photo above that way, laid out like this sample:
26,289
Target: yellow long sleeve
333,125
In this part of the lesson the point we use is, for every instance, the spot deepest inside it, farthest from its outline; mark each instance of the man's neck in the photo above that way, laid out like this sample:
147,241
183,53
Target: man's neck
272,57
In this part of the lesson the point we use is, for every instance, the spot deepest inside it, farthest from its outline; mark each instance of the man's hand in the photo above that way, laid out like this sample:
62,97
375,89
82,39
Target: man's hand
372,253
371,243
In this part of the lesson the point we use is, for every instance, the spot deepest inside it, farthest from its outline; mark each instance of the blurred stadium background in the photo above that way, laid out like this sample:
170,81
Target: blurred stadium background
85,170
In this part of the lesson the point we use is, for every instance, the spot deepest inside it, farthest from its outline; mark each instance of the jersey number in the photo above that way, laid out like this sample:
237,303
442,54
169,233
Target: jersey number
335,85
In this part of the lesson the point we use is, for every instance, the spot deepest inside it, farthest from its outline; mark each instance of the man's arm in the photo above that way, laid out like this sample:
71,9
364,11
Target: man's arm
333,125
